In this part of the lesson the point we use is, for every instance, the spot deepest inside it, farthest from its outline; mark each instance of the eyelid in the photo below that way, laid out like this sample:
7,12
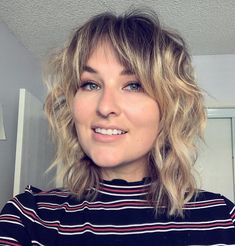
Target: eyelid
84,83
135,82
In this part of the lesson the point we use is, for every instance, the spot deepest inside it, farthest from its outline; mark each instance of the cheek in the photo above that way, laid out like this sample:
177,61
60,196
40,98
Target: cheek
146,116
150,124
79,110
80,118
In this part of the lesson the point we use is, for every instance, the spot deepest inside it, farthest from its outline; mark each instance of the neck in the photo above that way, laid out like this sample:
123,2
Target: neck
132,176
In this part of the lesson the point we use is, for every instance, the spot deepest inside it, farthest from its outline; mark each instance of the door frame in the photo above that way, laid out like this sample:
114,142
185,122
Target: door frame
228,113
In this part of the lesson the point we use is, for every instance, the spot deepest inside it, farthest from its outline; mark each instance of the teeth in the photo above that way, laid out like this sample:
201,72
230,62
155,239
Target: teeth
109,131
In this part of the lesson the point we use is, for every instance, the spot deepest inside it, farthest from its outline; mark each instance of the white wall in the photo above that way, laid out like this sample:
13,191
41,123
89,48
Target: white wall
18,69
216,75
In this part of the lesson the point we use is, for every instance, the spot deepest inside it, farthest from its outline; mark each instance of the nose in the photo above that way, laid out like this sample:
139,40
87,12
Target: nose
109,103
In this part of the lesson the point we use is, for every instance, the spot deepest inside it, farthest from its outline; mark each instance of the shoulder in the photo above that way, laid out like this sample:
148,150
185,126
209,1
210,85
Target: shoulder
211,204
36,195
212,198
29,202
24,214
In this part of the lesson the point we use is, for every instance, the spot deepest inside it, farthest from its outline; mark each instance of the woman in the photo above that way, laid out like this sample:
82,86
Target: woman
126,112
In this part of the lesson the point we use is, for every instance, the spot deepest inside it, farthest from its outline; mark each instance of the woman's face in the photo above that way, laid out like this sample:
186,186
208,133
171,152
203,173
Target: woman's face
116,122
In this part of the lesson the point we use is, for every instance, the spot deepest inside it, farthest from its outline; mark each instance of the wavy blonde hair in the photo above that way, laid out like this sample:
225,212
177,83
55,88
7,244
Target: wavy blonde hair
161,61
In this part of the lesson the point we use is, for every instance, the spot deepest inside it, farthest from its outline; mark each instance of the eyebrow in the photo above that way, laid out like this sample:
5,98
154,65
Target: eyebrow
89,69
125,71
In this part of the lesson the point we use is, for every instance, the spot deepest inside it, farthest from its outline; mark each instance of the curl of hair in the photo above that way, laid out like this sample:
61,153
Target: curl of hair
160,60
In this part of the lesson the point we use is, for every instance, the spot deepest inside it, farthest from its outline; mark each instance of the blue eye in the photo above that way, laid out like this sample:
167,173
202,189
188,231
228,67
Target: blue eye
89,86
134,86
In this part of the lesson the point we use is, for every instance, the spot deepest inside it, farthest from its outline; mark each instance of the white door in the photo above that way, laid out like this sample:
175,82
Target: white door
215,163
34,150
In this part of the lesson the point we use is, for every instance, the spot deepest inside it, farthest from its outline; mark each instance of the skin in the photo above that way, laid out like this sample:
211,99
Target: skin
111,97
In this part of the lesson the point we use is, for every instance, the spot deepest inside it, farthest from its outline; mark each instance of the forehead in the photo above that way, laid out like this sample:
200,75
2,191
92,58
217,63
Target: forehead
103,50
104,53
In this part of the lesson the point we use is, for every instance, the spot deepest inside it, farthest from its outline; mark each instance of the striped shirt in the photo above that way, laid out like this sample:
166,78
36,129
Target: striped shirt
120,215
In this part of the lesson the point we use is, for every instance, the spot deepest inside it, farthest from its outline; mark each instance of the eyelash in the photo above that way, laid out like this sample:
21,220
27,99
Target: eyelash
85,84
134,83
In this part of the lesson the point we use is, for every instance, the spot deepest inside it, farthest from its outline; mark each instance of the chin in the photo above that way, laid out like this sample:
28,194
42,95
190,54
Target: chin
106,164
102,159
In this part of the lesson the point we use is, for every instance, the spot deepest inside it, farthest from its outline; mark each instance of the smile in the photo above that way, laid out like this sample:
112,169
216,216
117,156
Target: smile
109,131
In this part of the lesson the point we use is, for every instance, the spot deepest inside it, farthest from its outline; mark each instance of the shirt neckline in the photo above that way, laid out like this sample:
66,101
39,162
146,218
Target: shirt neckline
122,182
119,187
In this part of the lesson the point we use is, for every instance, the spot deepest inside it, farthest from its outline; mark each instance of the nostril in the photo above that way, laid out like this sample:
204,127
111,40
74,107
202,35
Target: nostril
108,105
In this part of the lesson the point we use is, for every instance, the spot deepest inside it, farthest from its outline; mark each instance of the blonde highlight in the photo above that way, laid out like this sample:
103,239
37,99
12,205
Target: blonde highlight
160,59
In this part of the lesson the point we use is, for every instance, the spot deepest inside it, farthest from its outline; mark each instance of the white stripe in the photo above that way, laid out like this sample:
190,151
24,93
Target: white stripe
12,222
10,215
9,238
153,224
120,194
36,215
56,193
205,201
101,208
127,187
128,226
145,224
220,244
210,206
167,223
91,203
36,242
49,193
144,232
86,204
232,210
20,209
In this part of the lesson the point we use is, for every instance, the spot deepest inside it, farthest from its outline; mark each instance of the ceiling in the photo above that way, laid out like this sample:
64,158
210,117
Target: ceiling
207,25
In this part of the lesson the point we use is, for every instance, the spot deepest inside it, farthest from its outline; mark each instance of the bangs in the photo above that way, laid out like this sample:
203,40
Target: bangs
132,39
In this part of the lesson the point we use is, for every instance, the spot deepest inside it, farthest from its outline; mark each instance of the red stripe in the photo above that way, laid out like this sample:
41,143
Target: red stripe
143,228
9,243
36,218
59,193
115,190
204,203
233,215
25,211
10,218
130,229
99,205
119,204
